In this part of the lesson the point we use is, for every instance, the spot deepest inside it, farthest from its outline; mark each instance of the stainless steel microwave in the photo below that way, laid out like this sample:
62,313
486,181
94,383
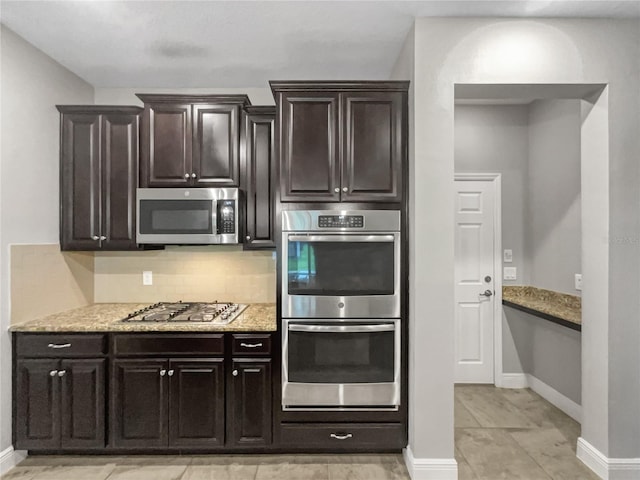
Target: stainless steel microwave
187,216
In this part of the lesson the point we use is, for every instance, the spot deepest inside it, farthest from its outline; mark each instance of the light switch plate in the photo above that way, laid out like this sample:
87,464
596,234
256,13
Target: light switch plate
147,277
578,281
508,256
510,273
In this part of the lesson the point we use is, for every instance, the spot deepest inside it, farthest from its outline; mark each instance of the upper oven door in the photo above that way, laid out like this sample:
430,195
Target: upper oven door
187,216
341,275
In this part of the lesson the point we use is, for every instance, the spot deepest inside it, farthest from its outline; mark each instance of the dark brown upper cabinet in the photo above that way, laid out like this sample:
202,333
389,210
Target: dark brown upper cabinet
259,176
98,177
191,140
341,141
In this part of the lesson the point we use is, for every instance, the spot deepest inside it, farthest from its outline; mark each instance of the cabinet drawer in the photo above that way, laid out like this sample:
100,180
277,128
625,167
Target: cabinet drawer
168,344
251,344
343,435
60,345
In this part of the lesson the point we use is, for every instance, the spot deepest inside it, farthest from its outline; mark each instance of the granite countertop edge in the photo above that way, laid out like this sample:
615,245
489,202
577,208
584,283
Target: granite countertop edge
562,306
106,318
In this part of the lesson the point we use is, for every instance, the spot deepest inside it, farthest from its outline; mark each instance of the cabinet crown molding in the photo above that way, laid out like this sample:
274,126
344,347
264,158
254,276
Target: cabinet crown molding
339,86
213,98
99,109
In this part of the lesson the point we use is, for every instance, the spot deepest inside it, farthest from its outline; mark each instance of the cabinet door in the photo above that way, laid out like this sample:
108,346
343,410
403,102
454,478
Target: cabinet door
250,403
80,181
259,175
120,179
139,403
216,145
166,145
37,422
82,403
308,139
197,403
373,146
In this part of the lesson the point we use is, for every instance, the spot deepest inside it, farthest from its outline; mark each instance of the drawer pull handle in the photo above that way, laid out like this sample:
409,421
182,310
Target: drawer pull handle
252,370
163,372
251,345
59,345
61,373
53,373
341,436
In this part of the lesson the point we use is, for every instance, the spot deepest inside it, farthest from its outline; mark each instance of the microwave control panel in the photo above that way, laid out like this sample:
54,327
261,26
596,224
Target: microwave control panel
341,221
226,216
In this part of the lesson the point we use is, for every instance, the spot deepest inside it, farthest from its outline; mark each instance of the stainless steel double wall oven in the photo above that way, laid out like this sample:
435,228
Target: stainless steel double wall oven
341,310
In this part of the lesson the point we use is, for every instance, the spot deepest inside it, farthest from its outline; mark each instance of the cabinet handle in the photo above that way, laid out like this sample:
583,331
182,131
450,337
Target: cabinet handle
193,175
235,373
186,175
59,345
163,372
341,436
53,373
337,190
61,373
345,189
170,373
95,237
251,345
248,237
252,370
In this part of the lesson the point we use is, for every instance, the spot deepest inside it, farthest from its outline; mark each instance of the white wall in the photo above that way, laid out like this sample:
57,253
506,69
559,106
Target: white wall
509,51
32,84
553,225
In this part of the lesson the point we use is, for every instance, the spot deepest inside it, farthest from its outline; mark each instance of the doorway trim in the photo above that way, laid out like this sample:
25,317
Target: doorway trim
496,178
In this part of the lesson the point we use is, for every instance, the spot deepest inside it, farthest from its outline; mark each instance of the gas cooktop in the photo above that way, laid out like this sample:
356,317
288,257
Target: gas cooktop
216,312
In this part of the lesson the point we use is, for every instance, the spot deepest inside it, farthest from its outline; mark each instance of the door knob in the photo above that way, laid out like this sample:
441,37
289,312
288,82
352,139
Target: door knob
163,372
102,237
337,190
170,373
235,373
487,293
186,175
345,189
61,373
193,175
95,237
53,373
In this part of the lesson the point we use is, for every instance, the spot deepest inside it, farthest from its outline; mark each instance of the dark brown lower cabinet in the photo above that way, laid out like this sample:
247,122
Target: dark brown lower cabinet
60,404
196,403
168,403
139,403
250,403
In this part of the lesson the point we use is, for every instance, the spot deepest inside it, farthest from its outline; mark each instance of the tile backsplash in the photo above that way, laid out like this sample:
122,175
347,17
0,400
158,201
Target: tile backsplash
224,273
45,280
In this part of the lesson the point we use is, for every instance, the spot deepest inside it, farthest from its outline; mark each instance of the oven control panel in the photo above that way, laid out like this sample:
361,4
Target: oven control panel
341,221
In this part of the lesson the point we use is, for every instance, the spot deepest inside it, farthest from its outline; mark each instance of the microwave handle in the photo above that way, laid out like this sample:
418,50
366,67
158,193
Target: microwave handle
384,327
341,238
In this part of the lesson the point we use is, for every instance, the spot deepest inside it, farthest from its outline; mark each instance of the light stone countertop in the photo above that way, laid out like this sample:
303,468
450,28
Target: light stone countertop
106,317
561,305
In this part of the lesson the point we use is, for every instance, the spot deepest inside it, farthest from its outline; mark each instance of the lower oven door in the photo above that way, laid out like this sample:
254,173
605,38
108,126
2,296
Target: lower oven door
341,365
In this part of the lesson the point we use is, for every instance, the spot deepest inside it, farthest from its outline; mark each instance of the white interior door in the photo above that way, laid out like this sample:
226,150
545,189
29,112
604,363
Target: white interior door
474,280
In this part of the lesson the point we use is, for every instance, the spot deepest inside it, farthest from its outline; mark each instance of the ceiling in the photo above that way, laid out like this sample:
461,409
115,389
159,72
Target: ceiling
246,43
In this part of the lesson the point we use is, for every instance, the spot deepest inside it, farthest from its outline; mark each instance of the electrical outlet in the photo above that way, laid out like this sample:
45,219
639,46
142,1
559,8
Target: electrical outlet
578,281
147,277
508,256
510,273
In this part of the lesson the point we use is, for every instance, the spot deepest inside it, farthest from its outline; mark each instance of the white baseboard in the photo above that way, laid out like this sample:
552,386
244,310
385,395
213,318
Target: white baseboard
607,468
9,458
430,468
556,398
514,380
550,394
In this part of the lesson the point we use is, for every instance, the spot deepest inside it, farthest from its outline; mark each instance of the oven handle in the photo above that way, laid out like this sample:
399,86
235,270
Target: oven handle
384,327
341,238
